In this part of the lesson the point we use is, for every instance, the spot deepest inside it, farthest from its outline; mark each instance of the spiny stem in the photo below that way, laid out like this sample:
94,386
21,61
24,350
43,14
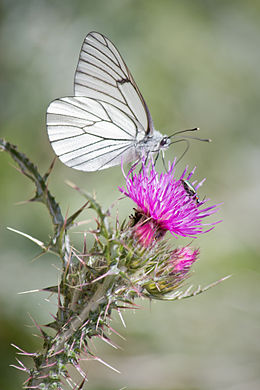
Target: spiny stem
63,337
92,305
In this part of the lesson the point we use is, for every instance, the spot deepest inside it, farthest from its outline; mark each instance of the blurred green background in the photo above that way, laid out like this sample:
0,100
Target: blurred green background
197,64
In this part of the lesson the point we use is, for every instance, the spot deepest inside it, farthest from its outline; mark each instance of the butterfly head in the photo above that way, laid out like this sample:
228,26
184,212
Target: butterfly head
157,142
165,142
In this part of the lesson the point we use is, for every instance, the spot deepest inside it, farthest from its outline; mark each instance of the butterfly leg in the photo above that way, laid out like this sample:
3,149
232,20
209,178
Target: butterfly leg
156,158
134,166
186,149
164,163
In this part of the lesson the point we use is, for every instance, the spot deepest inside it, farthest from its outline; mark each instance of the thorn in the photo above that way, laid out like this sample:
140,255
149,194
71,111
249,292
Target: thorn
114,331
39,243
83,325
47,174
85,244
22,352
22,366
82,383
44,335
29,291
21,202
48,365
106,364
121,318
56,353
109,342
80,371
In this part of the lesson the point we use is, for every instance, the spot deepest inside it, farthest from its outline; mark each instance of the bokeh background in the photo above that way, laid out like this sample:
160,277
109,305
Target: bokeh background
197,64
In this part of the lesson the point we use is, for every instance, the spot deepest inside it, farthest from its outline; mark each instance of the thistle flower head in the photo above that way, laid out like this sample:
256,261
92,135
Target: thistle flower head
168,274
182,259
164,204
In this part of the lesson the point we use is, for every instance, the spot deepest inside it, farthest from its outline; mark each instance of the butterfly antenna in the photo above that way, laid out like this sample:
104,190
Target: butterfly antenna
188,136
197,138
184,131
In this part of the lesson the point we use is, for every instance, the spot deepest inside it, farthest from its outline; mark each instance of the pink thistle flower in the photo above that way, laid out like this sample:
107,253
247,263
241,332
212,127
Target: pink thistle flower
182,259
170,272
164,204
146,229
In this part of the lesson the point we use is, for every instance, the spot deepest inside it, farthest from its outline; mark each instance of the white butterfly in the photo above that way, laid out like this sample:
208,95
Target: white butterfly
107,121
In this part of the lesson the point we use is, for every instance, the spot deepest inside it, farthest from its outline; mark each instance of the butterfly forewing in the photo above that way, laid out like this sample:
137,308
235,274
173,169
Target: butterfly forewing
102,70
100,125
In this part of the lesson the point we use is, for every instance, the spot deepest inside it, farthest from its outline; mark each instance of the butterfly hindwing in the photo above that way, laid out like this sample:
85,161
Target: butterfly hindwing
90,135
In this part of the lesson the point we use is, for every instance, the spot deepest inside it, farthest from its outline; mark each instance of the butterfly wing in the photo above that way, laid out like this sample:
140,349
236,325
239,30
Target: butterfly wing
102,74
100,125
89,135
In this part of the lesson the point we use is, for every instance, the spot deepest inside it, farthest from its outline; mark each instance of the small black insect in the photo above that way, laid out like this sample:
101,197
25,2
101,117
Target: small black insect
190,190
136,217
